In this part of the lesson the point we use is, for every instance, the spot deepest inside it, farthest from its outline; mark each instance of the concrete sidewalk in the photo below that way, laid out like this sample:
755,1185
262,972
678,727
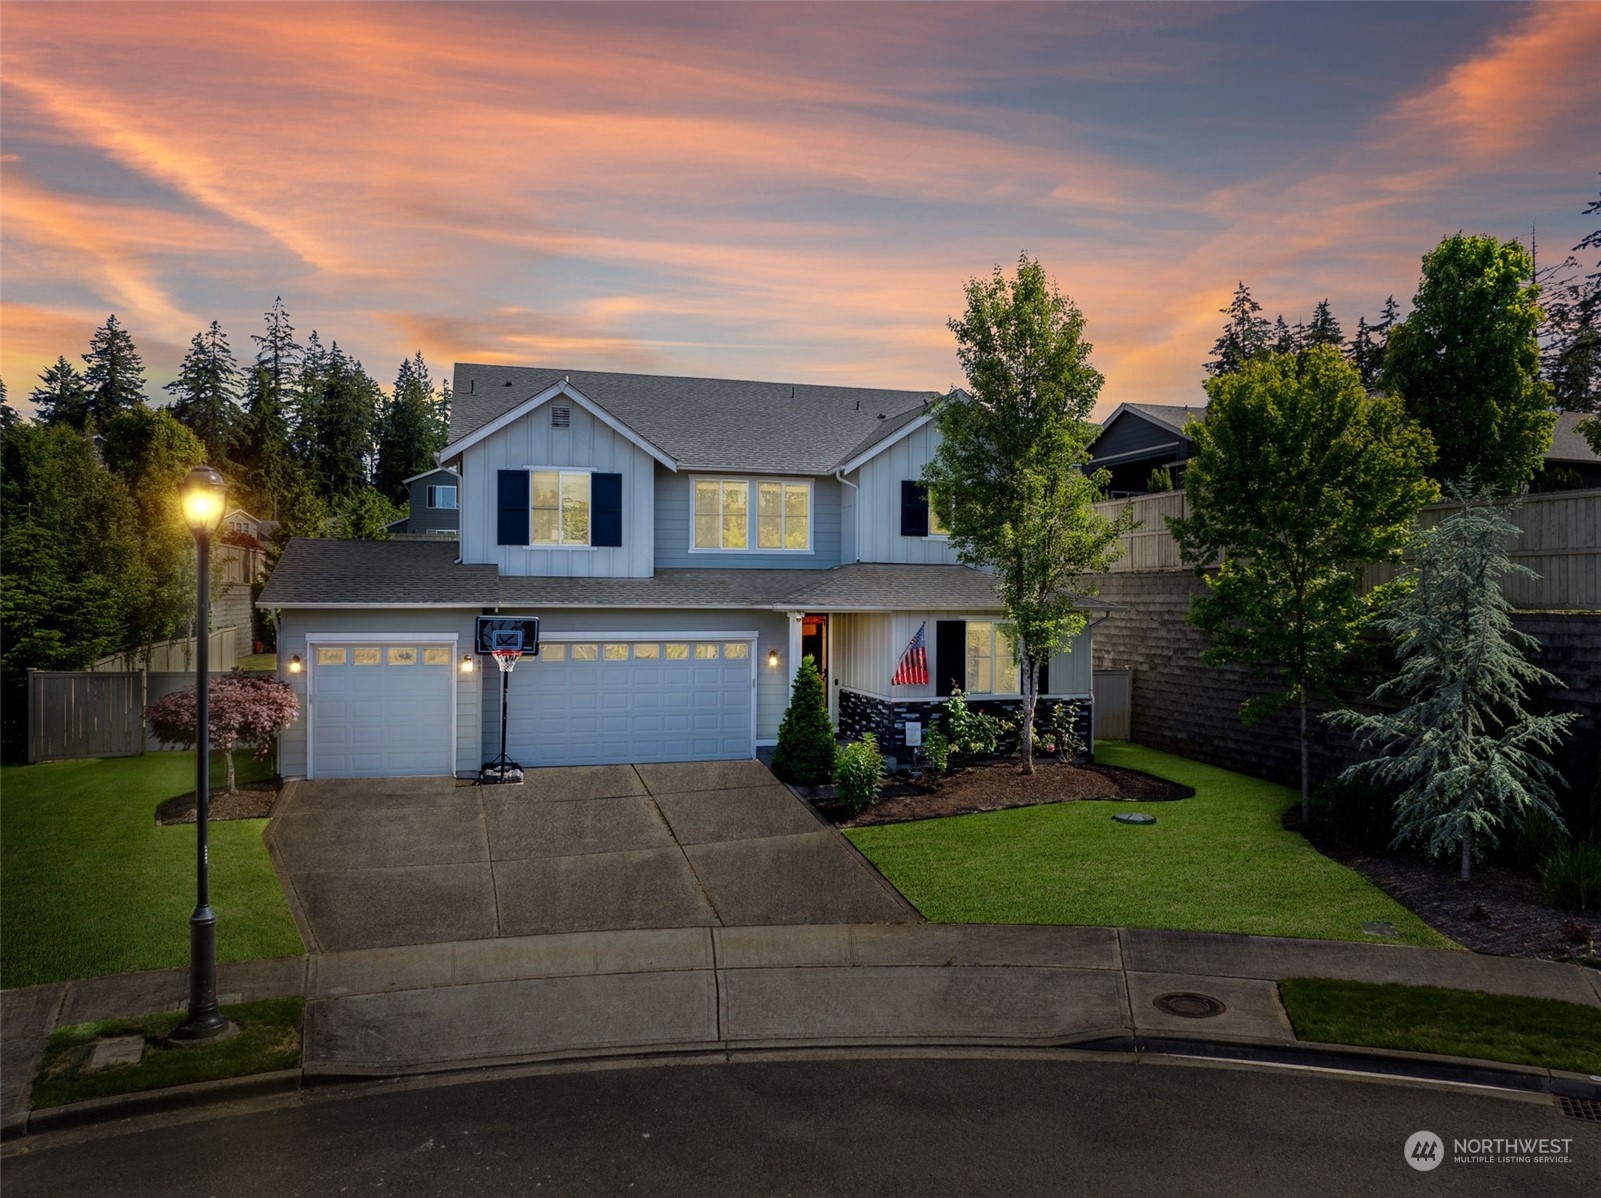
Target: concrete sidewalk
446,1006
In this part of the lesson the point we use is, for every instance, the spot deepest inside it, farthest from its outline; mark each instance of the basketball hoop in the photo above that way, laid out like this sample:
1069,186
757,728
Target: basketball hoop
506,659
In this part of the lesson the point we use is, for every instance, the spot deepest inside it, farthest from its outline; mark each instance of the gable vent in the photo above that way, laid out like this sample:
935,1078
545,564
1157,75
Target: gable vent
561,417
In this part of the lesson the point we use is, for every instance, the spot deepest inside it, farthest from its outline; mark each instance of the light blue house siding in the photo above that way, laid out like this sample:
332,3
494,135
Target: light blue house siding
673,519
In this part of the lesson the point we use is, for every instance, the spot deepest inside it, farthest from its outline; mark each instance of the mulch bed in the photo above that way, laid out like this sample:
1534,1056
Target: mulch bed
999,786
254,801
1501,911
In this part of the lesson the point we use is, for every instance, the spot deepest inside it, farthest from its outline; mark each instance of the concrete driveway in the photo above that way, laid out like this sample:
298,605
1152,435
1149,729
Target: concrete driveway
377,862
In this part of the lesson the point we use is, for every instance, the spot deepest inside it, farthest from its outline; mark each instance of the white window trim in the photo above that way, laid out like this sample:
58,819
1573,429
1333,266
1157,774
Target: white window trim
995,623
751,528
421,639
560,470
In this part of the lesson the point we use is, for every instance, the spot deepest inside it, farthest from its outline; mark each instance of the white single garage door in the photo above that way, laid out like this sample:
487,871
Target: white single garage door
603,701
381,709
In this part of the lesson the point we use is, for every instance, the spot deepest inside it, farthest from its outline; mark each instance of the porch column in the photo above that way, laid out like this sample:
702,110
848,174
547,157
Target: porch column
795,650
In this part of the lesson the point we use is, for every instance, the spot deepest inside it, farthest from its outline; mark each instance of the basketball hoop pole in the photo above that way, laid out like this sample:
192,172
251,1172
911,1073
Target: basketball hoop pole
505,659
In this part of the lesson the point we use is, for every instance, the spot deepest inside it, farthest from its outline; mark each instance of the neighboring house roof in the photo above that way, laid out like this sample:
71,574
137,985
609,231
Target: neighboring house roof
429,473
320,573
1567,444
239,511
719,424
1174,416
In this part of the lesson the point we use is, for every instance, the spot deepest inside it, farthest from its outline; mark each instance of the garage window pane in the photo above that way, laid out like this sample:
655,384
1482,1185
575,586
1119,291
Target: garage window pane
584,652
550,652
369,657
616,652
647,652
738,651
436,657
330,657
677,652
403,657
705,652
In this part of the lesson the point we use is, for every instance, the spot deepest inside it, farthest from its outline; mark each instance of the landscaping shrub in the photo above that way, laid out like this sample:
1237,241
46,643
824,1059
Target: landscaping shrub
1356,812
937,751
1572,877
1058,731
971,733
805,752
242,711
1160,481
859,774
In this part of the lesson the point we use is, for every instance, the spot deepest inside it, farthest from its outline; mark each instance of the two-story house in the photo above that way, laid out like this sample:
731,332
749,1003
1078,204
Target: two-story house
433,509
684,543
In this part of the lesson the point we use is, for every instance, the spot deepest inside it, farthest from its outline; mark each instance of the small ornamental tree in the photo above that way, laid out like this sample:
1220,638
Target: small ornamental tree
805,752
244,711
1463,746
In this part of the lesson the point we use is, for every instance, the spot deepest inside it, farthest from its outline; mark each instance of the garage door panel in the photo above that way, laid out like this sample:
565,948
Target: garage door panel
393,717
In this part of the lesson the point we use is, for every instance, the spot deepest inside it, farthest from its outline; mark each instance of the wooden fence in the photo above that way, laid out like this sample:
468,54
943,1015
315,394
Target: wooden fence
1560,542
175,655
83,713
1113,706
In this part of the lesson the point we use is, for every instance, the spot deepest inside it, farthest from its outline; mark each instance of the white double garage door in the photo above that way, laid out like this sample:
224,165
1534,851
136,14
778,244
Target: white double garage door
385,709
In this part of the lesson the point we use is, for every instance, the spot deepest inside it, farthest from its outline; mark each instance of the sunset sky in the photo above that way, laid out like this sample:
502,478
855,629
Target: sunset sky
776,191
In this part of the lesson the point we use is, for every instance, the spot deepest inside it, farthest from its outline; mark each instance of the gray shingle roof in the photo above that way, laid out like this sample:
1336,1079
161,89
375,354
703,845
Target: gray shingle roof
726,424
1175,416
374,573
1567,444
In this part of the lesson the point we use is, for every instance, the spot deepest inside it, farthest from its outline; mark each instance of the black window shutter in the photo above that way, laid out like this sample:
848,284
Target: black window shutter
950,654
1045,677
606,509
511,525
914,509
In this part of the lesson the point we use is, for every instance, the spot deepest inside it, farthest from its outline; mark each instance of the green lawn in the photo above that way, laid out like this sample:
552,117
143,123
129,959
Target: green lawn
1218,862
1456,1023
268,1040
92,886
259,661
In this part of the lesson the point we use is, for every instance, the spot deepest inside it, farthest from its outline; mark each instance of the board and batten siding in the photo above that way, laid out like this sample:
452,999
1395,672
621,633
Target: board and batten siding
531,443
772,629
295,625
878,505
674,499
867,647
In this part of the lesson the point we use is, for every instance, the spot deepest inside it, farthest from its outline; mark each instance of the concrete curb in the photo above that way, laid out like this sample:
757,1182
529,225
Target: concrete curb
170,1098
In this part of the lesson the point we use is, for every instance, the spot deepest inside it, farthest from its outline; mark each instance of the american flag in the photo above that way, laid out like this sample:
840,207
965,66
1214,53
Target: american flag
913,670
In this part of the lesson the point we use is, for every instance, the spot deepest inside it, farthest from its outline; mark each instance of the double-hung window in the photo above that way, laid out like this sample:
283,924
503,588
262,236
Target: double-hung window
443,498
560,507
723,509
992,667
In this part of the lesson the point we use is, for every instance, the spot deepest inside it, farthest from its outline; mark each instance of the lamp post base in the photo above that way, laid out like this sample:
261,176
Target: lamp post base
205,1023
193,1033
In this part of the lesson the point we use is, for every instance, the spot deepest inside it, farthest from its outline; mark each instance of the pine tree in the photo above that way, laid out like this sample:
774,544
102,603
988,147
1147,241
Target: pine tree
805,752
410,435
1469,755
1244,334
1283,340
1571,331
8,414
1324,329
62,397
338,412
1363,352
115,377
1389,317
207,390
269,398
308,389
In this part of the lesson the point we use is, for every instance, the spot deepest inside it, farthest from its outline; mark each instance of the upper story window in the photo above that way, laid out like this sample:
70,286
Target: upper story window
442,497
992,667
560,507
723,507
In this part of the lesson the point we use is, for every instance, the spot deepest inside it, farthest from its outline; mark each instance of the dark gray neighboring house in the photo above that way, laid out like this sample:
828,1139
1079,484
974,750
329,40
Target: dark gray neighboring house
1570,454
435,504
1138,438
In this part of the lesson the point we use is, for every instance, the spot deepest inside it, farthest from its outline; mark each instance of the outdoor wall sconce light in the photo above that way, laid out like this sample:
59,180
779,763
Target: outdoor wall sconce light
772,659
466,663
294,664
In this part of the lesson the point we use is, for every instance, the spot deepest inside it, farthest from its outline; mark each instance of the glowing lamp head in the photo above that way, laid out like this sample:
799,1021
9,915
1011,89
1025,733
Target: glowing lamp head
204,494
772,659
294,664
467,663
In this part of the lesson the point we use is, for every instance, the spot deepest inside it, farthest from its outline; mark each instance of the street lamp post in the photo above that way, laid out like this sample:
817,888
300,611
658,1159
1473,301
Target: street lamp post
203,495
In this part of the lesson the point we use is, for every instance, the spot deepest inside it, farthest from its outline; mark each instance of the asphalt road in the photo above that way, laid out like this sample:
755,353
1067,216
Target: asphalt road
830,1127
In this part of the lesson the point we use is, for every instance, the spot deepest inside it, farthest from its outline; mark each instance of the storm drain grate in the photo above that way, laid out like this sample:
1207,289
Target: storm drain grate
1580,1108
1189,1005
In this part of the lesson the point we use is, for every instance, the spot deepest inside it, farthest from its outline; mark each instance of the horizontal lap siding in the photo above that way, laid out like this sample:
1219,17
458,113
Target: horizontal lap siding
531,442
673,520
867,646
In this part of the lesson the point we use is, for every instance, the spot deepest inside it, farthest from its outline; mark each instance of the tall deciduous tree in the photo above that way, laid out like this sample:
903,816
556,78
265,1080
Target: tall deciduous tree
1299,477
114,374
1466,363
207,393
1467,752
1245,334
62,397
1011,456
412,426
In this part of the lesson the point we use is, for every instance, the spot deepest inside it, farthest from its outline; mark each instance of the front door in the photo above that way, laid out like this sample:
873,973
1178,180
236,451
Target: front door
814,644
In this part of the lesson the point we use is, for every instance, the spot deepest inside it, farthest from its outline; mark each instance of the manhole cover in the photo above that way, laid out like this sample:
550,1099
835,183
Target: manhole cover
1135,817
1188,1005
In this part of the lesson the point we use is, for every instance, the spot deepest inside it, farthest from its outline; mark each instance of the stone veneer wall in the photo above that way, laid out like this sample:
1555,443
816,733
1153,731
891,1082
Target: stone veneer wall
1185,707
886,720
